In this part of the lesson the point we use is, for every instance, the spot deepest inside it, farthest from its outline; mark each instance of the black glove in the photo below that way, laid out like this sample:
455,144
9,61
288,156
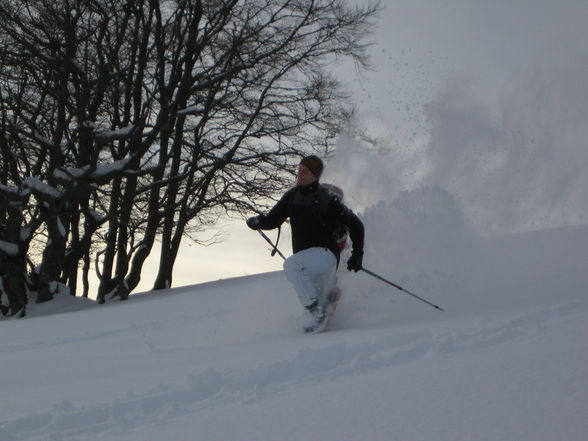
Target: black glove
254,222
354,262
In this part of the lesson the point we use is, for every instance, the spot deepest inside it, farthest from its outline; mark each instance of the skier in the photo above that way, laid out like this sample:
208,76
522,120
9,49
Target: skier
315,212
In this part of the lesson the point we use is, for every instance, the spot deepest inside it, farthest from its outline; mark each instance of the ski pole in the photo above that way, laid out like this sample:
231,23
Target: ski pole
365,270
401,289
274,247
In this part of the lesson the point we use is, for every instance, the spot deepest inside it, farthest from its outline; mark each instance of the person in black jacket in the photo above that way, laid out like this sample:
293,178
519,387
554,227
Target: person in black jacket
315,213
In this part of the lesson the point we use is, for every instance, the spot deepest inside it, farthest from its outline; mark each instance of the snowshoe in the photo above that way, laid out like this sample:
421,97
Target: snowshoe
321,316
311,316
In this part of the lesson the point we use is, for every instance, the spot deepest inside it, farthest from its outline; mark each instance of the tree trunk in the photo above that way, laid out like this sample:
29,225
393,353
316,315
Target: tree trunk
13,279
53,260
106,283
13,265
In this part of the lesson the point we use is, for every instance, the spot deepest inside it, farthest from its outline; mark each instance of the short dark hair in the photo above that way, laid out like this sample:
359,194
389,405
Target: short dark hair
314,164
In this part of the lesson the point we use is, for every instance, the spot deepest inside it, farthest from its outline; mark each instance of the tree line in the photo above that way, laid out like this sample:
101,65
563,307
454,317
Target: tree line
126,122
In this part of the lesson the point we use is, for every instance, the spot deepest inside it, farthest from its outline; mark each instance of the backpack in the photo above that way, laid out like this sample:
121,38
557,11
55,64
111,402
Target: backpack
341,231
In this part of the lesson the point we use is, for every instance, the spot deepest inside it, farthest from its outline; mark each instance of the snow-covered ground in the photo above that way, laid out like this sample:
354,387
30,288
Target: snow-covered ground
227,360
481,210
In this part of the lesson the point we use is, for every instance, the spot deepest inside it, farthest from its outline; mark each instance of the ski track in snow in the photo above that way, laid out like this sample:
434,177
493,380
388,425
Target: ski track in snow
211,388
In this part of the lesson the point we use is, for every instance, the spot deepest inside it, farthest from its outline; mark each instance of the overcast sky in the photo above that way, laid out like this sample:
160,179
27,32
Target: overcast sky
420,44
477,53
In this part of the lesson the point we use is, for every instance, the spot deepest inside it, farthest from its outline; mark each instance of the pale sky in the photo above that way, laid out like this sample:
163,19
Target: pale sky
420,47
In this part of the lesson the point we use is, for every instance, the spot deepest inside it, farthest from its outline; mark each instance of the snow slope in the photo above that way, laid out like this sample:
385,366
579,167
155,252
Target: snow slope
227,360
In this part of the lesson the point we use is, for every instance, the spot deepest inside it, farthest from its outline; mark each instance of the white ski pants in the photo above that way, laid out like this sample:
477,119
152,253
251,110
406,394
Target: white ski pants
313,272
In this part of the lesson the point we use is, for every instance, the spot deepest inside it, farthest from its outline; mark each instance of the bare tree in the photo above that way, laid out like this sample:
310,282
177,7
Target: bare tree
52,87
126,122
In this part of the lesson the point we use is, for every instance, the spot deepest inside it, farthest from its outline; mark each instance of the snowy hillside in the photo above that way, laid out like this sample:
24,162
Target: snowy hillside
227,361
474,196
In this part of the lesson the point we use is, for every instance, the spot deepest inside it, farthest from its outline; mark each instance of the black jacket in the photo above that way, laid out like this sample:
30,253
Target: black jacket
314,214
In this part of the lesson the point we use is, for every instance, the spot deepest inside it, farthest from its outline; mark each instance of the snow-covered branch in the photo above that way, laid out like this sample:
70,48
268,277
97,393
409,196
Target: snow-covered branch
111,135
8,248
41,188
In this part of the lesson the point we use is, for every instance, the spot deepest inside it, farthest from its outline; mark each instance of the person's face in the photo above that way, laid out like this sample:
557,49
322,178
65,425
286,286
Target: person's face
304,176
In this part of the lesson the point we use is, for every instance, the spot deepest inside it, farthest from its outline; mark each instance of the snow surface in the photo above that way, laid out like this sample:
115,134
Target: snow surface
228,360
481,210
